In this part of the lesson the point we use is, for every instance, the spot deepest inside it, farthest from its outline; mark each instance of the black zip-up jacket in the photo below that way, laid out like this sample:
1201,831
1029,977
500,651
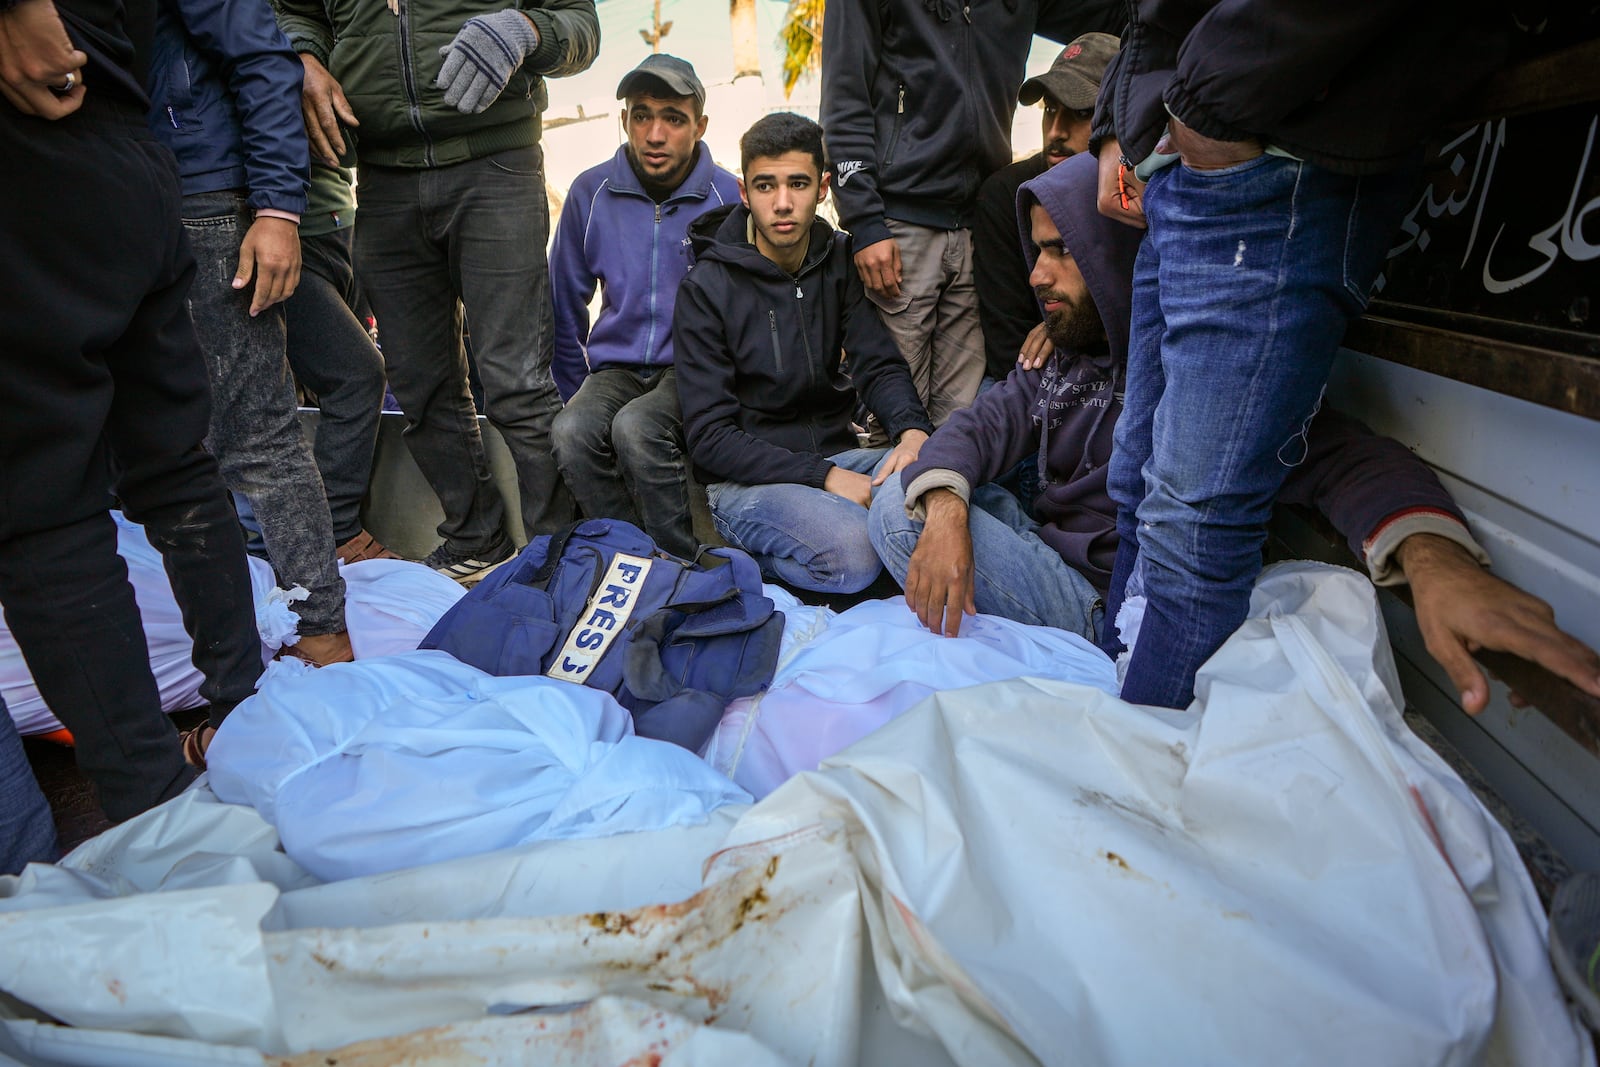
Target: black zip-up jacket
760,355
1352,86
918,95
116,38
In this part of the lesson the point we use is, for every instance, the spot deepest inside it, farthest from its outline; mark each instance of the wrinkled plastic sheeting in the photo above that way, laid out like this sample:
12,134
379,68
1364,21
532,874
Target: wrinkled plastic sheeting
1289,876
871,664
772,947
142,947
1036,871
609,1030
390,605
401,760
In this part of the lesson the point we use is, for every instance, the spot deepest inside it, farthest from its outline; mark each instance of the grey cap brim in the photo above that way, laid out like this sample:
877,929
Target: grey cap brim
646,80
1076,93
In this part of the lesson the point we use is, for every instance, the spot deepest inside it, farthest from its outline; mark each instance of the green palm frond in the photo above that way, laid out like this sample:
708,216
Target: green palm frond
802,41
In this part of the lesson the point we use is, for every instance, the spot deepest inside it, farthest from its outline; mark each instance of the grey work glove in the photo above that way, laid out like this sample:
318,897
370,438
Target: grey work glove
482,58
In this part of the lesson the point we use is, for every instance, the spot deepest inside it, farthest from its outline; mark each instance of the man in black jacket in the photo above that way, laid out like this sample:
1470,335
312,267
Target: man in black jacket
1278,140
1066,94
224,89
759,333
99,363
917,100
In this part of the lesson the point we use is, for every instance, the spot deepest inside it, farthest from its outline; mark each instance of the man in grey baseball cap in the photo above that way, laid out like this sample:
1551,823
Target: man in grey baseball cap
677,75
625,228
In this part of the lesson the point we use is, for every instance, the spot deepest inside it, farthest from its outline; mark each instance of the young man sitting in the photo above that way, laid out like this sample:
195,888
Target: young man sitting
762,325
619,440
959,543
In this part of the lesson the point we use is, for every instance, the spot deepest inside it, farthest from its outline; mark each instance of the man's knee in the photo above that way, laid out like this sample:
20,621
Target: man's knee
643,433
577,432
892,533
525,407
849,565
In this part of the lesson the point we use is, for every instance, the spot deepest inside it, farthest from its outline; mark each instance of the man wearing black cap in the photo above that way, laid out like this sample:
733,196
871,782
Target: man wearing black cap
619,440
1006,304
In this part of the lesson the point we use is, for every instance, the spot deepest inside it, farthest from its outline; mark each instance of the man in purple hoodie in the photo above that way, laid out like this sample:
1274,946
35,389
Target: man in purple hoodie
619,440
960,544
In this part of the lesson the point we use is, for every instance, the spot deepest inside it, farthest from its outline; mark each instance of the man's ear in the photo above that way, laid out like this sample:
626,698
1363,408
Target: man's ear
822,186
700,127
744,196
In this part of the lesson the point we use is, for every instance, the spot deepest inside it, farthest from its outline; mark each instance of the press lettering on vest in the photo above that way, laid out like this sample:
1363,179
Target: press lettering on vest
591,639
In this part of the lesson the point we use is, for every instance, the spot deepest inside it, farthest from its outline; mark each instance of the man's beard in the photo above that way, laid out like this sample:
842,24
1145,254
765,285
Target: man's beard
1076,327
660,185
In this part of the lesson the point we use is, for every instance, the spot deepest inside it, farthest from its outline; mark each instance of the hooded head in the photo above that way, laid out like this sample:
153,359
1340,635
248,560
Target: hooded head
1102,248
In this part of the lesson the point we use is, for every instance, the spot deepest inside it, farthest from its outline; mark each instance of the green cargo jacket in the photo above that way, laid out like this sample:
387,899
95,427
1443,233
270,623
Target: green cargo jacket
387,59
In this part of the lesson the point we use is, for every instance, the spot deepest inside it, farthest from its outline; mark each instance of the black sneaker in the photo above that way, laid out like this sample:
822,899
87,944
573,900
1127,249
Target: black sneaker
471,569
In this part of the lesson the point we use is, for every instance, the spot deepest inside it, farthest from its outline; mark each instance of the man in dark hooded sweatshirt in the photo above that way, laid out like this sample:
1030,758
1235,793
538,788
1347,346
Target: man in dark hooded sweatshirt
760,333
960,544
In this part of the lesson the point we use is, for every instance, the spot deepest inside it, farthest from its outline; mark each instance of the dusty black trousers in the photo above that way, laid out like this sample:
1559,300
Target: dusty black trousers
102,388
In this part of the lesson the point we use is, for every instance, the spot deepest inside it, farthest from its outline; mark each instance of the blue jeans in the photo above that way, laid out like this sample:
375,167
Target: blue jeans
1242,290
27,829
803,537
1015,575
619,444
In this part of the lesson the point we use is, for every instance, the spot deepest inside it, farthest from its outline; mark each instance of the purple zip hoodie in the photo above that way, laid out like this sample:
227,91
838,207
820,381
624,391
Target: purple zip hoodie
1373,490
613,234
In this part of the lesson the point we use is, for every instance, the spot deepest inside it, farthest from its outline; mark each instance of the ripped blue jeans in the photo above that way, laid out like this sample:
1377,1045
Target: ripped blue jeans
1242,290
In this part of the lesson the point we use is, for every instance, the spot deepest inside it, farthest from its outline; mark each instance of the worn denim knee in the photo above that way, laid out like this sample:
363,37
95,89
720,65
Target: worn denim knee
1243,289
804,537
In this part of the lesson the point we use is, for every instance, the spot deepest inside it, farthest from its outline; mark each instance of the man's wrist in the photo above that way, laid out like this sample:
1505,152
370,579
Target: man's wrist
944,505
277,213
1419,551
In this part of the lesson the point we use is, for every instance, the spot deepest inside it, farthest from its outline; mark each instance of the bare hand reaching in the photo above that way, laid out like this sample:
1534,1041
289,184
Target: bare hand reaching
904,455
1121,194
1036,349
323,101
850,485
939,578
1461,608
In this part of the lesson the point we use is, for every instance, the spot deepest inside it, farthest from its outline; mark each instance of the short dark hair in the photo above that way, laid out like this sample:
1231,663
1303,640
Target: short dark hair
778,134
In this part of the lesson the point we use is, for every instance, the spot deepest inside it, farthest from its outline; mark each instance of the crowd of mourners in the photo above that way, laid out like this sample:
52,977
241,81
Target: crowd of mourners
1039,389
